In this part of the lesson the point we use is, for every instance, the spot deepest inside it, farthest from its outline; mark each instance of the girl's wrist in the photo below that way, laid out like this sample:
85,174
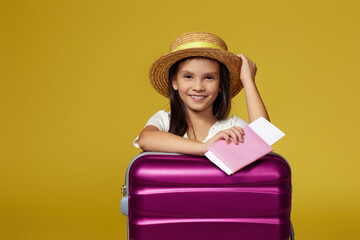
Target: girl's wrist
248,80
248,83
203,148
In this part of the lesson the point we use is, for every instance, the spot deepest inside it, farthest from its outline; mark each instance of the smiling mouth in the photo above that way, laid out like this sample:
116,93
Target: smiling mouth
197,97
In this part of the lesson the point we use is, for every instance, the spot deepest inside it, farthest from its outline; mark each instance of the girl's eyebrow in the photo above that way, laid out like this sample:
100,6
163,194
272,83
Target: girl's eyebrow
186,71
214,73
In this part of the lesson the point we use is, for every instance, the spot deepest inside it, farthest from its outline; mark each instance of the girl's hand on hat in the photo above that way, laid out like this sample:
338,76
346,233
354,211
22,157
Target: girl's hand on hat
248,70
254,103
234,134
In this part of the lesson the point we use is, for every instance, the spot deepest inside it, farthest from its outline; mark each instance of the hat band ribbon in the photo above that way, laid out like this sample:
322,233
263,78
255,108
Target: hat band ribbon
196,45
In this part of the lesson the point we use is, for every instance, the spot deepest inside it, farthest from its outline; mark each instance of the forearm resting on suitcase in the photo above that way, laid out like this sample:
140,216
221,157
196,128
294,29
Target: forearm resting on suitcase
151,139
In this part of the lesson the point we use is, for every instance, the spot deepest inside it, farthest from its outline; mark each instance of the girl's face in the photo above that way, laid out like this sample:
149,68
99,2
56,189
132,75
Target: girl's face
197,81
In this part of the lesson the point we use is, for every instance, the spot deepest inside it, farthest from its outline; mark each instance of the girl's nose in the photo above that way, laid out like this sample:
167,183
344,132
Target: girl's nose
197,85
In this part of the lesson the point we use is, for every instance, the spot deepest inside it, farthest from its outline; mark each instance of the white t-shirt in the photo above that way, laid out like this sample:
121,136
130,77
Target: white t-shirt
161,120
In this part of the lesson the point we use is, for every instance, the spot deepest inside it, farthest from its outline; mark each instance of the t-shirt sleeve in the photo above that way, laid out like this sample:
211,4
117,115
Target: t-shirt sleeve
161,120
236,121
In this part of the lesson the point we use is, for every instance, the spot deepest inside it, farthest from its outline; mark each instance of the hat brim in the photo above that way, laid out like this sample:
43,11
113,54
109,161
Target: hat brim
158,73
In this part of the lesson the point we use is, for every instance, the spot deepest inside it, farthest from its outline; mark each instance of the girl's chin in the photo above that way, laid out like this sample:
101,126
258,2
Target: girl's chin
199,109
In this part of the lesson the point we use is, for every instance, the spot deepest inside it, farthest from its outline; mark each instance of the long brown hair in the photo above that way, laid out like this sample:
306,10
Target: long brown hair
178,114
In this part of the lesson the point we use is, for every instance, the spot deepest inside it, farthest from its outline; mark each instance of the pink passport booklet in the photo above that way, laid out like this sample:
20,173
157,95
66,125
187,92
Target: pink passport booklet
258,138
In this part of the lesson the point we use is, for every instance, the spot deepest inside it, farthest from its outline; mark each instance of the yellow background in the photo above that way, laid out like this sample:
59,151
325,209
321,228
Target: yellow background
74,93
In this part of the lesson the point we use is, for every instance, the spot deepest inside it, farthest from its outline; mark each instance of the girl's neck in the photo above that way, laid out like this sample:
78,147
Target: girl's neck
200,119
199,124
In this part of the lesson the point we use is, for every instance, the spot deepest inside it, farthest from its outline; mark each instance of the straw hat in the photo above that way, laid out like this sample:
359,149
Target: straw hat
195,44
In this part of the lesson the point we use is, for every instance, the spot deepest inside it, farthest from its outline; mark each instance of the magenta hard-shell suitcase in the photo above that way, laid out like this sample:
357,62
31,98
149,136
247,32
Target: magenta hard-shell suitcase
185,197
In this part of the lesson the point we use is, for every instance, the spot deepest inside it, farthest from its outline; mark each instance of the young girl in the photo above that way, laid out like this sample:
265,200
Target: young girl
200,77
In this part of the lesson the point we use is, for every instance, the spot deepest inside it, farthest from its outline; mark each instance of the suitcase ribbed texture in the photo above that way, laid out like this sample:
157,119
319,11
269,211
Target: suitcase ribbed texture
187,197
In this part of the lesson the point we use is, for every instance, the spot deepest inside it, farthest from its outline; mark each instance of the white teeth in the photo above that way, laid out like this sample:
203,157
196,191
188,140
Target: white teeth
197,97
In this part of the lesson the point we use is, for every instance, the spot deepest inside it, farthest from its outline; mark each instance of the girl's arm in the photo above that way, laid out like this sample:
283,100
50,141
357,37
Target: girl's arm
254,103
152,139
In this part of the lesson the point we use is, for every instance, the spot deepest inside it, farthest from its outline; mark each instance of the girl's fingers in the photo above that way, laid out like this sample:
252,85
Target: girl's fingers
231,133
240,135
239,129
242,56
236,134
226,137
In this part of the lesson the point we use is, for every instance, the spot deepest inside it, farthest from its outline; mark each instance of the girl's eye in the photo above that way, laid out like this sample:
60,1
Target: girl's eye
187,76
209,77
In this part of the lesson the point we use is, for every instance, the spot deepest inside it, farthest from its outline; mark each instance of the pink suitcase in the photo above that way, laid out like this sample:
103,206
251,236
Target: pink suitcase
184,197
